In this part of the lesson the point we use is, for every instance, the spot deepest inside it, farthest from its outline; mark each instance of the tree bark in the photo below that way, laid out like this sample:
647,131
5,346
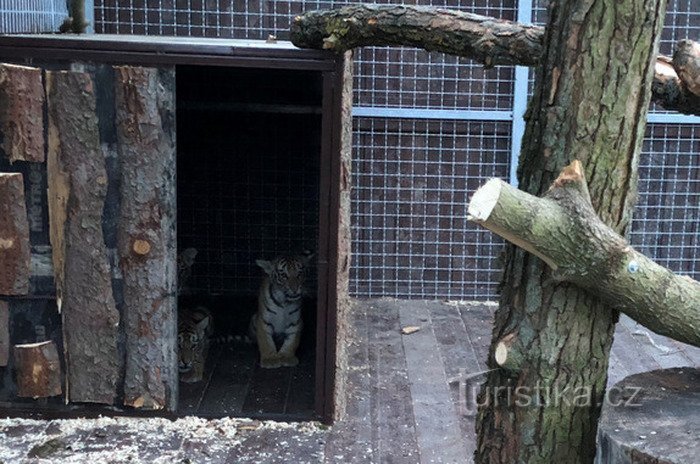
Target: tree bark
146,233
77,184
38,370
565,232
488,40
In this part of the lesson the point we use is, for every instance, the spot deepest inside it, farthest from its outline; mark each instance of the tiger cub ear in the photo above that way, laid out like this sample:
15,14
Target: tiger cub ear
265,265
307,256
203,324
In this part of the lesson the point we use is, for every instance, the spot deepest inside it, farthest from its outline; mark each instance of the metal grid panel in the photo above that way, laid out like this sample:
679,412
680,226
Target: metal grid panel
31,16
248,174
411,238
413,78
666,225
255,199
386,77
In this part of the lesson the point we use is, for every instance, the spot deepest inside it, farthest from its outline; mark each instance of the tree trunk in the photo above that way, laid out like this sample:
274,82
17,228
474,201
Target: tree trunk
590,103
563,230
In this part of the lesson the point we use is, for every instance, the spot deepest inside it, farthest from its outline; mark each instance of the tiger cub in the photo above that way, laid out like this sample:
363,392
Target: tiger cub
194,330
277,325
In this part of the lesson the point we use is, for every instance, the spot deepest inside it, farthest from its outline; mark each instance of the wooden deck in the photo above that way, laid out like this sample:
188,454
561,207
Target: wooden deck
236,386
402,407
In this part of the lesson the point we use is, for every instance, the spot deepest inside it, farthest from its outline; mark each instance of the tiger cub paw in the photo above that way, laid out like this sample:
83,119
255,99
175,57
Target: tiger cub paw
270,363
289,361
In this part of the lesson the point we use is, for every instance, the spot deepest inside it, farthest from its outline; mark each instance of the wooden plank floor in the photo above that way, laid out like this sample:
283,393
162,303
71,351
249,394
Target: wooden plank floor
235,385
401,405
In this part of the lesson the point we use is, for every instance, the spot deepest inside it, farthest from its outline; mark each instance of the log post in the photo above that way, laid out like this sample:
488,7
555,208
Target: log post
563,229
146,234
22,113
77,182
4,333
15,252
651,418
38,370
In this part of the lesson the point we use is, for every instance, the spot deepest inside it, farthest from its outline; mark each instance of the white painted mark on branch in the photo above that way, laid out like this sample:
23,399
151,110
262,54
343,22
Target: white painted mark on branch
633,267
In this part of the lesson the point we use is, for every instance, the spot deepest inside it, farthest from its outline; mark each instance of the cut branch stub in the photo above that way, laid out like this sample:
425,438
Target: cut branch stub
686,62
564,231
509,353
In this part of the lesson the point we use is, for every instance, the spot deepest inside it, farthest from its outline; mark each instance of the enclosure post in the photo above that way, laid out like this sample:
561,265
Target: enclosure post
520,96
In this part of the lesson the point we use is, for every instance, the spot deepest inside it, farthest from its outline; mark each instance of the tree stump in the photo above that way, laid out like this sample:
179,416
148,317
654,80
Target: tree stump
652,418
38,370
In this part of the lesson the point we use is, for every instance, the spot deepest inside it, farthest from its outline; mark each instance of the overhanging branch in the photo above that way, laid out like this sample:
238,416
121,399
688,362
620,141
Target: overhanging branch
563,229
488,40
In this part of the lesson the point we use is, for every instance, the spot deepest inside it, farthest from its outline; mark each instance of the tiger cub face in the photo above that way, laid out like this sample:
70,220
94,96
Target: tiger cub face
287,275
195,327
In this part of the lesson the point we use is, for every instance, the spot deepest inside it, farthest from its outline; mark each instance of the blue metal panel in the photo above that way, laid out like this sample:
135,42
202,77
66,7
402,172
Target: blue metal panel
417,113
520,98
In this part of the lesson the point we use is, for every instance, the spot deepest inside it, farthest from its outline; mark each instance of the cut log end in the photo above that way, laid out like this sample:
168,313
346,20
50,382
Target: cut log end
38,370
484,201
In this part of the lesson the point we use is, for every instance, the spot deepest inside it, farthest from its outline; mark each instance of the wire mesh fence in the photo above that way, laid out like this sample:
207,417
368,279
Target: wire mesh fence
414,170
666,223
412,178
31,16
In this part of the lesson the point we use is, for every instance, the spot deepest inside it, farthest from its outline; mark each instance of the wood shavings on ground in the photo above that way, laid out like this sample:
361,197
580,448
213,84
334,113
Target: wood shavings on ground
159,441
408,330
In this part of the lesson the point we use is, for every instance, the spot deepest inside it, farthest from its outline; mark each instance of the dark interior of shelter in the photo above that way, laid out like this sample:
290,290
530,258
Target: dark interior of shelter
248,182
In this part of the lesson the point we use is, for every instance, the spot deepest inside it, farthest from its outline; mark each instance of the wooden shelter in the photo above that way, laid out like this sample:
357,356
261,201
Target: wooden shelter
119,151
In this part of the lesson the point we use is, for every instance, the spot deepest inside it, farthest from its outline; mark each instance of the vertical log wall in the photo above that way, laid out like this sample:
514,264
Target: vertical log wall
14,236
146,234
108,128
77,189
21,113
340,218
4,333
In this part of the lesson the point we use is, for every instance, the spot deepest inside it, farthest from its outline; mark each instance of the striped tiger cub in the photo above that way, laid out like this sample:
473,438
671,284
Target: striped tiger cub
194,330
277,324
